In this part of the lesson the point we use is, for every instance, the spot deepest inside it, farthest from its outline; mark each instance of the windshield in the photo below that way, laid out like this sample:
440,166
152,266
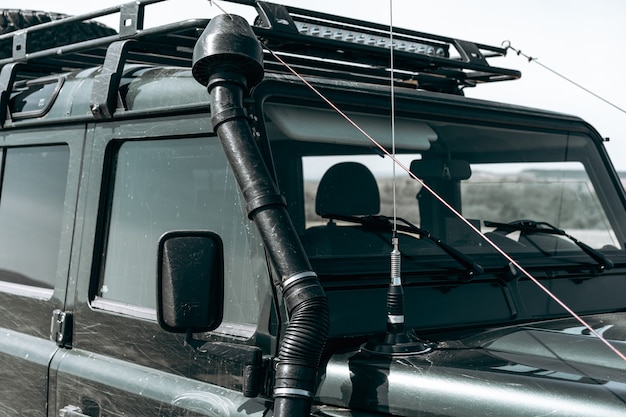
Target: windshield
489,175
536,193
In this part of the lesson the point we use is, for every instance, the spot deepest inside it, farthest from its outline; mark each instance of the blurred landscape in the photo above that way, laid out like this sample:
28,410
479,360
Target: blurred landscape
560,197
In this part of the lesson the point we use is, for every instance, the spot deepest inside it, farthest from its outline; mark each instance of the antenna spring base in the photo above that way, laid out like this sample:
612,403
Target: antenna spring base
397,344
396,341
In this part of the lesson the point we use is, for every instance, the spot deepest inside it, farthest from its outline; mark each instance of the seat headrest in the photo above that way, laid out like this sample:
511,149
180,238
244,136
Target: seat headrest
348,189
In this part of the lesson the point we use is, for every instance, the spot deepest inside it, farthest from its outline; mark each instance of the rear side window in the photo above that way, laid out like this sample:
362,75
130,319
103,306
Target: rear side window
34,99
179,184
31,213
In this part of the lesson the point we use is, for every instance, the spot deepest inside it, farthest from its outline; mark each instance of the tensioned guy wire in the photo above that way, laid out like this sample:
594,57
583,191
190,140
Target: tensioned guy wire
445,203
507,45
453,210
221,9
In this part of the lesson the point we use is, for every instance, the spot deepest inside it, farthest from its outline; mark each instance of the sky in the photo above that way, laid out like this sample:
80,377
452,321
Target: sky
580,39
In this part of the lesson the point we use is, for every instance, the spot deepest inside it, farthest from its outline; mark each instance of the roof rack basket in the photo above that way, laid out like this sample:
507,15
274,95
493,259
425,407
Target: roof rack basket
316,44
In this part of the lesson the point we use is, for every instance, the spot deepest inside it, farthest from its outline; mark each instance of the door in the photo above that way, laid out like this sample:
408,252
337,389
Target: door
39,174
145,178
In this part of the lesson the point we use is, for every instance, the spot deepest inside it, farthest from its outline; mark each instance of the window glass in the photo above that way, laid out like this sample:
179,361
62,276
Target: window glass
31,214
182,184
314,167
33,99
343,191
559,193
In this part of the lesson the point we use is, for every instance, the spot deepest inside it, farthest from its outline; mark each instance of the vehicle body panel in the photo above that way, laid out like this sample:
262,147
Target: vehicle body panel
25,310
102,385
492,342
550,368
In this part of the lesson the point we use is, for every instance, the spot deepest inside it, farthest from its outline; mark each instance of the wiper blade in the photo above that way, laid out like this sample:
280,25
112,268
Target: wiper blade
473,268
534,227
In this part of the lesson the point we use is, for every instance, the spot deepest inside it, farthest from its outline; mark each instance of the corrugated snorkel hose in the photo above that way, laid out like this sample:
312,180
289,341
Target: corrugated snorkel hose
228,59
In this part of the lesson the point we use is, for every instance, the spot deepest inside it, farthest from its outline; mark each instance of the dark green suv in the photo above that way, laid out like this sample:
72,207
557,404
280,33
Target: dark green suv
213,218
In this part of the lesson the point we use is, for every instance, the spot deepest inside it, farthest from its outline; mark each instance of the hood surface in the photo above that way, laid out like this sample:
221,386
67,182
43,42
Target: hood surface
552,369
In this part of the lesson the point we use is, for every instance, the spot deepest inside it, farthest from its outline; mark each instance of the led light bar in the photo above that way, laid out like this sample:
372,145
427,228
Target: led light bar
368,39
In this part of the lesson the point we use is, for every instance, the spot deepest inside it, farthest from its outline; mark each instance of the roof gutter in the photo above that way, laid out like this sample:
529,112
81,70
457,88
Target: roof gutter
228,60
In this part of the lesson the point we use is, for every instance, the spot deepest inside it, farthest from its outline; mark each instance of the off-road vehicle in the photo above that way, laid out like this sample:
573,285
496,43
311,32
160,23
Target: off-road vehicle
231,218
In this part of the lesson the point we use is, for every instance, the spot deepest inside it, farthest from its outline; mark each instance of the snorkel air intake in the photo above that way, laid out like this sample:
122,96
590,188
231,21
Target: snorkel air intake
228,60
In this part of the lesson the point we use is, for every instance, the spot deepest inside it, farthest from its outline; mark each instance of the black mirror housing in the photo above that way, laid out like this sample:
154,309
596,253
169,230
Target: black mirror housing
190,288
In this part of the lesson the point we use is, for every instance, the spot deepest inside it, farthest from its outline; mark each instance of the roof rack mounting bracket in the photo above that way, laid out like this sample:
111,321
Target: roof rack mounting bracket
131,19
19,44
471,51
7,79
104,91
275,16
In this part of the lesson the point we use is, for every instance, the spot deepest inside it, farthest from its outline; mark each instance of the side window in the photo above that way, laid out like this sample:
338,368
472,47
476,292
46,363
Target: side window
31,212
181,184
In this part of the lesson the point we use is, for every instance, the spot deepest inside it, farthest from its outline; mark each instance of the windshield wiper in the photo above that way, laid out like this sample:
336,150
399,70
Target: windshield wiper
533,227
384,223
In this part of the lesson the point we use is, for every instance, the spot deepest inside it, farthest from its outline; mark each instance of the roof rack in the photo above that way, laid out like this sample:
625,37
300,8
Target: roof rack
357,49
316,44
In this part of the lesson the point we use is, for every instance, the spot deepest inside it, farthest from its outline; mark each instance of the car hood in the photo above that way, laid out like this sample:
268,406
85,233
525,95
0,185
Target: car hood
552,368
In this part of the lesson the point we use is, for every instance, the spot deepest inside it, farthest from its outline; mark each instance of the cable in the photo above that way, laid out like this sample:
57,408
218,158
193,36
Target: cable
220,8
507,45
457,214
454,211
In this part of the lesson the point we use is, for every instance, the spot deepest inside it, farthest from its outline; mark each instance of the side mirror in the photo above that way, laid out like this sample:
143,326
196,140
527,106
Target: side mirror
190,288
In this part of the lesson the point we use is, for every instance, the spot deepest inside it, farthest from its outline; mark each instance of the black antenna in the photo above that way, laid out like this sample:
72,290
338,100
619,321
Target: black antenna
396,340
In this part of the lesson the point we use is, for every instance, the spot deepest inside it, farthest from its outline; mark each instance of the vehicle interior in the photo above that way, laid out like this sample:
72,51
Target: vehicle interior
534,194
